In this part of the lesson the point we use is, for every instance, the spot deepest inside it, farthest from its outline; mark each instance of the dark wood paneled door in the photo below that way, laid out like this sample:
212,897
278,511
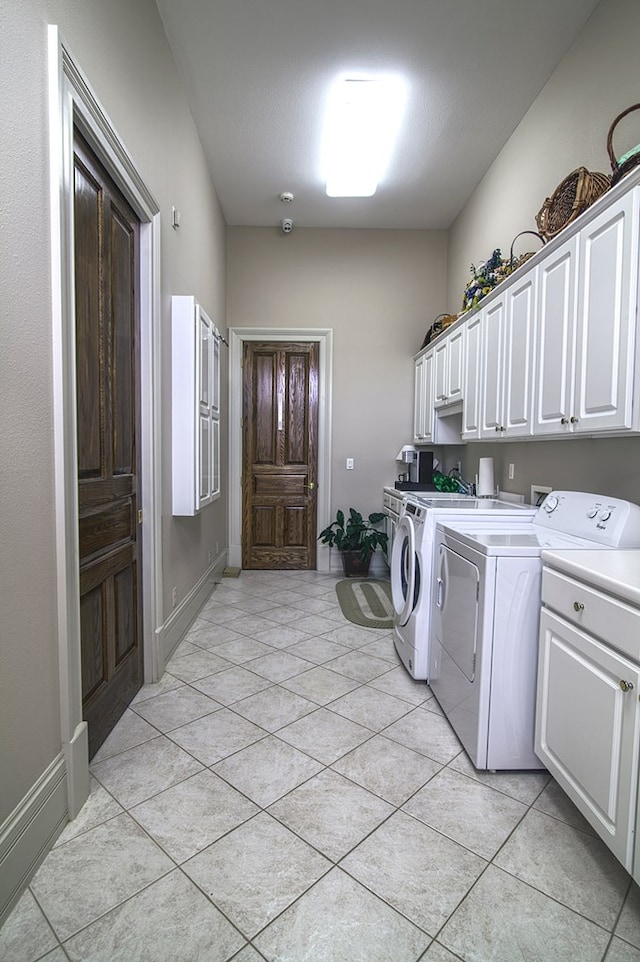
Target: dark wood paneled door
280,455
107,324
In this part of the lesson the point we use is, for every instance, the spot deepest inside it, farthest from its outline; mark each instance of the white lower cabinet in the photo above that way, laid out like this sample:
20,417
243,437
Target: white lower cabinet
588,714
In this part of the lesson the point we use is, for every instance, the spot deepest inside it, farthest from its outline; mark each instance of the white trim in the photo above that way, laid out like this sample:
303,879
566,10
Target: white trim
237,338
29,832
71,100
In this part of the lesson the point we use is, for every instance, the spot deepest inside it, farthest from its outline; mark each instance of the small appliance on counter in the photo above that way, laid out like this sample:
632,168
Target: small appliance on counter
419,473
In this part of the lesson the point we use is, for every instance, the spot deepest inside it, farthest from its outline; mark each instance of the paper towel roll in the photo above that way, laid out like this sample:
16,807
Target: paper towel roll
486,488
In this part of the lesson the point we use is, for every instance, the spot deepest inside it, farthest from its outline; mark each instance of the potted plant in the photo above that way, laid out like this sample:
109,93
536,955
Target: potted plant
356,539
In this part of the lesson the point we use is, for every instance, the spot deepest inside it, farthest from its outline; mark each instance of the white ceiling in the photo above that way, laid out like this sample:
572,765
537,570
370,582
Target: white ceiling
257,73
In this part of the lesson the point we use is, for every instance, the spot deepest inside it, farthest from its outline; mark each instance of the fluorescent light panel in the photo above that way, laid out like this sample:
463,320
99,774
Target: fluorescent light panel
362,124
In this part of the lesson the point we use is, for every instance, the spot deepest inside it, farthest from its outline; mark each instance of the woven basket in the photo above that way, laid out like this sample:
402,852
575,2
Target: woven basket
630,160
441,323
515,262
571,198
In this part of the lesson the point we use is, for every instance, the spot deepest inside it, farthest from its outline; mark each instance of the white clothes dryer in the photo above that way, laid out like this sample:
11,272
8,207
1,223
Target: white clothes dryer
412,565
486,615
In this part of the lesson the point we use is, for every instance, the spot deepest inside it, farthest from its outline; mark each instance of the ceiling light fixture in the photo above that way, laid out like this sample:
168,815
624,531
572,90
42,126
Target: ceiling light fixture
363,119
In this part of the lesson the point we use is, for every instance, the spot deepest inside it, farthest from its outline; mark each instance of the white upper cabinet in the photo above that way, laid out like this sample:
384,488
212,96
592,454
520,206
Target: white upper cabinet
587,327
508,345
449,368
556,324
553,351
519,355
472,378
423,399
195,419
492,345
606,329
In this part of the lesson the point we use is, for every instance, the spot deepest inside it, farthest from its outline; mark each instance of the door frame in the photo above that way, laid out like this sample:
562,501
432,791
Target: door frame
72,101
237,338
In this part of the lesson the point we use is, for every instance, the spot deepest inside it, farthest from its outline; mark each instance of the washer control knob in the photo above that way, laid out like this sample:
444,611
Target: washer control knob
550,504
605,514
592,513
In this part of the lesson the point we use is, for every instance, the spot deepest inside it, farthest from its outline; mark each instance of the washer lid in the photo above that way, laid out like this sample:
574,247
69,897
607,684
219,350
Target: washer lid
524,540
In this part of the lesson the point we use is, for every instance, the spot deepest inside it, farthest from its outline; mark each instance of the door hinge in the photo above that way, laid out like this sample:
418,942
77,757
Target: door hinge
140,516
242,422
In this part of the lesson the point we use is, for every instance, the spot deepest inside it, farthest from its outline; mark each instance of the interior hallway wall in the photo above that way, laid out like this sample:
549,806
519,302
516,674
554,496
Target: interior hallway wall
566,127
122,49
379,291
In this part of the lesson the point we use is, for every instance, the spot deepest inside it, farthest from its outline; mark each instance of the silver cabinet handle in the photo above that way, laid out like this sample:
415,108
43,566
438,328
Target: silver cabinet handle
574,420
578,606
564,420
439,593
626,685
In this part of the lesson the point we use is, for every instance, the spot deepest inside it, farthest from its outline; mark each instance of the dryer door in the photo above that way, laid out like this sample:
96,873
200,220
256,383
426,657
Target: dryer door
405,573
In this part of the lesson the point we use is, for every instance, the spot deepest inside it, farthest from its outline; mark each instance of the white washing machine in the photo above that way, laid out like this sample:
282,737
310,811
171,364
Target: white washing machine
412,565
486,613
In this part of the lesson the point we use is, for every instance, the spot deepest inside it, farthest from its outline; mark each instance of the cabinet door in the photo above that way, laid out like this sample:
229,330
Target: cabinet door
418,400
493,324
519,353
440,380
472,379
423,399
605,332
448,369
555,341
587,728
455,365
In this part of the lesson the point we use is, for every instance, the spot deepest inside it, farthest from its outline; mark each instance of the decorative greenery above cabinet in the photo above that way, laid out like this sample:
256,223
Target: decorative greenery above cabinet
553,350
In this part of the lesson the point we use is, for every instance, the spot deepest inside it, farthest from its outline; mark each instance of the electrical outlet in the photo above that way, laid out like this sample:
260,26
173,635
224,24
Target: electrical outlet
512,471
174,597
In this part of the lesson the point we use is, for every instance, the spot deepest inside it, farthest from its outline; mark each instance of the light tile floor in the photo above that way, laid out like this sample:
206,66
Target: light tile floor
288,793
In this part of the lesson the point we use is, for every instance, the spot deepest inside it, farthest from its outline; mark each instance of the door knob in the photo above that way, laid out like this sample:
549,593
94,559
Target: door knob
311,485
626,685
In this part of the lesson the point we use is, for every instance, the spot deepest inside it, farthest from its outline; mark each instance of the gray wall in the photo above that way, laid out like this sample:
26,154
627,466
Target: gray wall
379,291
122,49
566,127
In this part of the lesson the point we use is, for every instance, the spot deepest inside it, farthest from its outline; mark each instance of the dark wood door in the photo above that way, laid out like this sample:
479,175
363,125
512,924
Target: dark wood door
107,323
280,441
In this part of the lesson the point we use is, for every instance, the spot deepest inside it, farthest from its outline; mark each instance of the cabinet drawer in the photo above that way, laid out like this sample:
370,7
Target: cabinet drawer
598,614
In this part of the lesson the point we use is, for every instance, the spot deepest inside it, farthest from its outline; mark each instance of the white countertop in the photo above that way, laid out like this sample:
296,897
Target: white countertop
615,571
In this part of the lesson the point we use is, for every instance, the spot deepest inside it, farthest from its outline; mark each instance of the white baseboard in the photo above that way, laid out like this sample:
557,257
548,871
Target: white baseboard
181,618
29,832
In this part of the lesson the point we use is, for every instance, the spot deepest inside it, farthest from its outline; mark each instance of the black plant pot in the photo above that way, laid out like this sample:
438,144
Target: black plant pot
354,566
